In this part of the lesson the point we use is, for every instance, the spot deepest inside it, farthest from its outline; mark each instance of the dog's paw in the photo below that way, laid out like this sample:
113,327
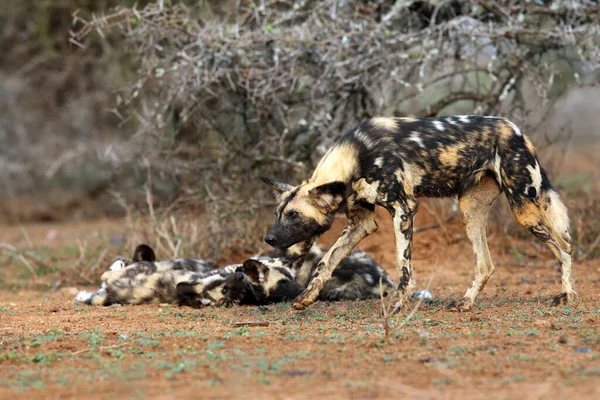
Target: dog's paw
298,306
302,302
463,305
564,299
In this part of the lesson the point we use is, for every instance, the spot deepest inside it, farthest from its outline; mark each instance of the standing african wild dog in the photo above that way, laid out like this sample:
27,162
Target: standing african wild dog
392,161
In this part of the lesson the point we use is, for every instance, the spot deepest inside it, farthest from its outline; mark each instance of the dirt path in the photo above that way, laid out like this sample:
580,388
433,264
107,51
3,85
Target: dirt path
512,345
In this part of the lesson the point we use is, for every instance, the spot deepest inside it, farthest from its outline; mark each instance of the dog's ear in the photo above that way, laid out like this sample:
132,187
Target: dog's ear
143,252
329,195
256,272
278,187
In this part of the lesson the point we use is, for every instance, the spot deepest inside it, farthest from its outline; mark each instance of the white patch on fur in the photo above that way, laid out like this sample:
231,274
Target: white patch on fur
117,265
557,215
497,161
536,177
409,178
379,162
364,138
514,127
464,119
366,191
416,137
206,302
439,125
83,296
230,269
369,278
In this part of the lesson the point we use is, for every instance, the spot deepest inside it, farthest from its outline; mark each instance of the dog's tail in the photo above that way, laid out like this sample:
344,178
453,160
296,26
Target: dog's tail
533,200
94,299
556,213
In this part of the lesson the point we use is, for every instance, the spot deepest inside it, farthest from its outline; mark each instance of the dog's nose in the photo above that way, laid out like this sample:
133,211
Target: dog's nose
270,239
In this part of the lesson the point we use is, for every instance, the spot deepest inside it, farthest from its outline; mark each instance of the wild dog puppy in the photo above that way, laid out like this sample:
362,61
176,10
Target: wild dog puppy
357,277
258,281
146,281
392,161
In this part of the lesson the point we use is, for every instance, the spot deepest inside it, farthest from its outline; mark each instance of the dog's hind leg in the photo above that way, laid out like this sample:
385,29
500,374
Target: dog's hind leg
361,223
403,213
475,206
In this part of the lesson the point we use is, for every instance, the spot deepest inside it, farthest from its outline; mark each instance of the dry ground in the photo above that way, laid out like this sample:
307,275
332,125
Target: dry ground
512,344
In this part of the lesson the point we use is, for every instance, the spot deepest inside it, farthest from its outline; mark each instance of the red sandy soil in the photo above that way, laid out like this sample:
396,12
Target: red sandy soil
513,344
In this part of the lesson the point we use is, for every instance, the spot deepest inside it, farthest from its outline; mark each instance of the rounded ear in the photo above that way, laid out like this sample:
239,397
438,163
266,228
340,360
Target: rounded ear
143,252
278,187
255,271
328,195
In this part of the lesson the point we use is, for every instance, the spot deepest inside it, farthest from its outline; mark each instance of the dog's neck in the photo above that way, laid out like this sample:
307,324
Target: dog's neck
340,163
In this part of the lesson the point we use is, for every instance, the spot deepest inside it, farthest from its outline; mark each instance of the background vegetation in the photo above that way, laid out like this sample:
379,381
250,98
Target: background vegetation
168,111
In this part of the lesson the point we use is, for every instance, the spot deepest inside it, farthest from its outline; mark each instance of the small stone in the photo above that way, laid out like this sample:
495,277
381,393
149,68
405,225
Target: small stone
583,350
563,339
426,334
473,318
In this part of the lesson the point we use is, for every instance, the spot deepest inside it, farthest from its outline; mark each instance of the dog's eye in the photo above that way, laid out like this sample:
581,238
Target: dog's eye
293,214
224,291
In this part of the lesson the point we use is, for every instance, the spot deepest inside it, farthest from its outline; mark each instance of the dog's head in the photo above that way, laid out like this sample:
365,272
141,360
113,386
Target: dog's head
304,211
257,281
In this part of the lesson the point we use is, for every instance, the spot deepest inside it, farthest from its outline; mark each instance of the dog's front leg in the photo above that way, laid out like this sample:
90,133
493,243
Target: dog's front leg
360,225
403,213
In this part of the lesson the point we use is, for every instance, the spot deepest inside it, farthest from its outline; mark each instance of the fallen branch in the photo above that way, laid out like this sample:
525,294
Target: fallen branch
250,323
102,348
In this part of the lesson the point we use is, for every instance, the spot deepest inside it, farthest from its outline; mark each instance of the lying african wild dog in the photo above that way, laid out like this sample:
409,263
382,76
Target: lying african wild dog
192,282
259,281
284,275
145,280
392,161
358,277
